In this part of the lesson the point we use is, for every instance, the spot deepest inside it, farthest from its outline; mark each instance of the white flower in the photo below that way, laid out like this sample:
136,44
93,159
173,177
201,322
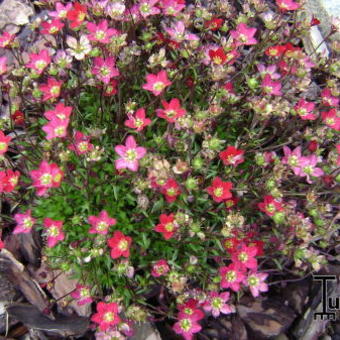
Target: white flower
78,49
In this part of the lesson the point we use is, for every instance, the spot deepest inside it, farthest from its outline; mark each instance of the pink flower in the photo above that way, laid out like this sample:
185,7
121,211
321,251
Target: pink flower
216,304
4,141
82,294
130,153
47,176
292,158
244,256
244,35
255,282
106,316
101,32
231,277
3,65
167,225
101,223
172,7
271,87
138,121
186,327
24,221
232,156
308,167
56,128
305,109
287,5
160,268
178,33
328,98
331,119
53,231
119,244
188,316
60,10
271,70
172,110
156,83
52,89
2,244
40,61
60,112
81,143
5,39
51,26
105,69
147,8
170,190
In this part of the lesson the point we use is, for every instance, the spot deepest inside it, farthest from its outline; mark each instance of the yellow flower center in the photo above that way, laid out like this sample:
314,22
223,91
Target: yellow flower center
231,276
46,179
218,192
3,145
123,245
108,317
169,227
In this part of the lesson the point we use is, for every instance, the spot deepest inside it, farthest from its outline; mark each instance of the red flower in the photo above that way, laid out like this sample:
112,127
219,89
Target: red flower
313,146
106,316
218,56
244,256
232,156
230,202
18,118
259,246
219,190
76,15
120,245
230,244
315,21
214,24
111,88
170,190
167,226
270,205
275,51
9,180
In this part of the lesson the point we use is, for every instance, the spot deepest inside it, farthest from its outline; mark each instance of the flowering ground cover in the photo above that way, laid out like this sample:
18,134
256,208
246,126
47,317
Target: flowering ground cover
174,156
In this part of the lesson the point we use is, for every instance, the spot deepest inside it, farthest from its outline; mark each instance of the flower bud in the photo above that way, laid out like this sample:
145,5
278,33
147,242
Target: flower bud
279,217
259,159
191,183
253,83
197,163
